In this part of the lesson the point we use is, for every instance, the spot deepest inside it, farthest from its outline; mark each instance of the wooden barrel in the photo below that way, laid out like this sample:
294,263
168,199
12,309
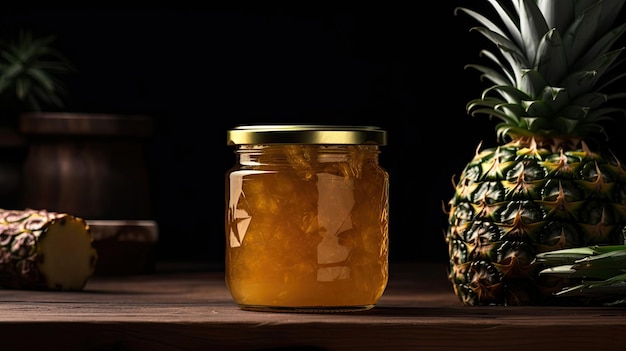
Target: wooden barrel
89,165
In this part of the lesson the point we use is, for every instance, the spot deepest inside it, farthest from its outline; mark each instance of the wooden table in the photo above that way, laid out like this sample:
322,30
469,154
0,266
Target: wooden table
183,309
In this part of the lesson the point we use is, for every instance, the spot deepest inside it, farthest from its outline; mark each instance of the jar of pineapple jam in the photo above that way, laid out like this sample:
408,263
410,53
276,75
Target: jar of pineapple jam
306,218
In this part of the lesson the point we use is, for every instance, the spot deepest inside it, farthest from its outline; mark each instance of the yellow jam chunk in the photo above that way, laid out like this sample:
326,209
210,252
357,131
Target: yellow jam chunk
309,230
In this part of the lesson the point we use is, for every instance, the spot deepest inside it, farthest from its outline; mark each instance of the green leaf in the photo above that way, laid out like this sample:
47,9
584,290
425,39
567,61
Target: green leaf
597,272
30,70
515,57
481,19
564,271
510,20
533,26
581,34
608,260
491,75
550,60
564,256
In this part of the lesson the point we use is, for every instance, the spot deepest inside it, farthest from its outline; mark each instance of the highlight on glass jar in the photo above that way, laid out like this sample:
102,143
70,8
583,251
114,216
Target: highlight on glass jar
307,211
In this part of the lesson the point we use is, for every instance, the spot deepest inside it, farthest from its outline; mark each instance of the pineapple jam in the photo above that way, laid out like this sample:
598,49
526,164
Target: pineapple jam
307,218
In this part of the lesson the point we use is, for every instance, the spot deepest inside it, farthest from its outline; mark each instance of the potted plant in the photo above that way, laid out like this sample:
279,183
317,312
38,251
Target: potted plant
31,72
31,79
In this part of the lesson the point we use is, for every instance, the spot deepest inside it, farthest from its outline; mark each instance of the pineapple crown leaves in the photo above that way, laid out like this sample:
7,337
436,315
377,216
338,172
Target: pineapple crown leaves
29,70
595,271
551,67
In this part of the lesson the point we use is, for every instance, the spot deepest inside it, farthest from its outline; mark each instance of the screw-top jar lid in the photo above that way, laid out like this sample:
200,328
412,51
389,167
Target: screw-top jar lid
306,134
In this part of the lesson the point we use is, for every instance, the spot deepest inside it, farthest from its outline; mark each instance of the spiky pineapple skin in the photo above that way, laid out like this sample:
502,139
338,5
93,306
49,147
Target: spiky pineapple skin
516,200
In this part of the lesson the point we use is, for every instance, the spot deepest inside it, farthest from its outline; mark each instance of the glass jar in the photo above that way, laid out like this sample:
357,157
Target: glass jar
307,218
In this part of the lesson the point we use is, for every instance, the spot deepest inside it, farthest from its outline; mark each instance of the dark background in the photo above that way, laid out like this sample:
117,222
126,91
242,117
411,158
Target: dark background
200,73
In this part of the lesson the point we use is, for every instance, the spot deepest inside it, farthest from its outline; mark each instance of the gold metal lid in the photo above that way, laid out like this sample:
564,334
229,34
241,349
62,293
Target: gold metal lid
306,134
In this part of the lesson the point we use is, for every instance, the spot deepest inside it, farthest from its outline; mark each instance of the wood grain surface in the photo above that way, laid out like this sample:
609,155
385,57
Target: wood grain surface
192,310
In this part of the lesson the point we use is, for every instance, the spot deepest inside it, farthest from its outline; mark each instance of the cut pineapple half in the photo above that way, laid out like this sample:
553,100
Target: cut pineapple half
45,250
66,257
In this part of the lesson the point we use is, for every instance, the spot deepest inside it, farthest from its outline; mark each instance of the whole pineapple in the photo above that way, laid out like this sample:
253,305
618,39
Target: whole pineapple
551,183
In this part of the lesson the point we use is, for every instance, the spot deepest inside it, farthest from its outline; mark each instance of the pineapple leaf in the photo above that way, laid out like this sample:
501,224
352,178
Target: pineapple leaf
481,19
564,271
505,129
558,53
581,34
612,288
495,113
510,110
566,256
605,114
605,62
610,12
510,77
617,96
557,13
489,102
555,97
591,100
533,26
532,83
608,260
490,74
599,270
534,123
512,94
600,47
550,60
510,20
580,82
513,55
537,108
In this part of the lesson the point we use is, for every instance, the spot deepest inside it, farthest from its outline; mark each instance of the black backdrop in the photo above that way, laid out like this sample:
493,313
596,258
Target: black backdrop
200,73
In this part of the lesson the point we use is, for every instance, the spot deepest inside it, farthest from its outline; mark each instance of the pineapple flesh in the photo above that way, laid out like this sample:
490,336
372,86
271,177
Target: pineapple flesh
552,182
